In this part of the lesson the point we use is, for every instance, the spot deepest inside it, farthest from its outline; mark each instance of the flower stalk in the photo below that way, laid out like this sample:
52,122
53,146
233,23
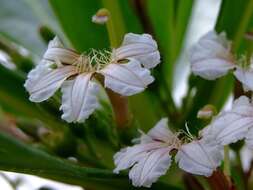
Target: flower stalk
226,161
119,103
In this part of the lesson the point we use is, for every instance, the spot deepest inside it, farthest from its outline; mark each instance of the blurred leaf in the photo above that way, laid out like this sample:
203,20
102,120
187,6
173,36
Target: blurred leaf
44,13
19,24
170,28
15,99
12,94
17,157
75,19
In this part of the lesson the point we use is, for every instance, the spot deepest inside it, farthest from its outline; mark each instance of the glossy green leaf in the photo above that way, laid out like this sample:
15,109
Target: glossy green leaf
18,157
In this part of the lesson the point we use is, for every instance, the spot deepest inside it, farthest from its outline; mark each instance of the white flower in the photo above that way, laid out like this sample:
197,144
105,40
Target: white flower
245,76
151,158
75,73
210,58
199,157
233,125
54,71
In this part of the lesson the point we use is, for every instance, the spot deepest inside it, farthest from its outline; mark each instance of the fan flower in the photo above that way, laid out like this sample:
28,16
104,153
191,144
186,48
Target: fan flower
151,157
210,58
75,74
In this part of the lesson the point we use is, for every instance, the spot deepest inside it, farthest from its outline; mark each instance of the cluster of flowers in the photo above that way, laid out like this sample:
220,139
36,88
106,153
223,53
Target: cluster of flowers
151,156
125,70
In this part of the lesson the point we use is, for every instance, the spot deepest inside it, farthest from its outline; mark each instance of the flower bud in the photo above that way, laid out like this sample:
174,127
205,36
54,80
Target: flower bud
206,112
101,17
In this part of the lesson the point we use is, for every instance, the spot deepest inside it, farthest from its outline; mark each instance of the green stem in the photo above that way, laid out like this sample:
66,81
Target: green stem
244,180
115,28
226,161
243,25
111,33
115,24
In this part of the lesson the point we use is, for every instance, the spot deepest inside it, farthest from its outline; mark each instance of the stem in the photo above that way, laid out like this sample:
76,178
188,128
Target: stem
243,25
218,181
111,33
226,161
120,108
240,168
115,28
115,24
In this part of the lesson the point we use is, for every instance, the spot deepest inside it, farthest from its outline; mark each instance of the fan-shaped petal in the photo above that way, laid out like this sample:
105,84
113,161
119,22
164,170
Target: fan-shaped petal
233,125
42,82
79,98
126,79
127,157
159,132
57,52
245,77
249,139
153,165
141,47
199,157
211,58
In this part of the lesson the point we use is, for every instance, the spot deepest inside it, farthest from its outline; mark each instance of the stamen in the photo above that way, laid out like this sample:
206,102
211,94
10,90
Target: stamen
99,59
83,64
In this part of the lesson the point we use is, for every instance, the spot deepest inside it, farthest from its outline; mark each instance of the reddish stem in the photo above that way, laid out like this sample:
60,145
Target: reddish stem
218,181
120,108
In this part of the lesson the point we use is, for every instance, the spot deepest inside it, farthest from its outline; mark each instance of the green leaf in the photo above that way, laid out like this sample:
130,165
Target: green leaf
170,28
18,157
44,13
17,14
75,19
15,99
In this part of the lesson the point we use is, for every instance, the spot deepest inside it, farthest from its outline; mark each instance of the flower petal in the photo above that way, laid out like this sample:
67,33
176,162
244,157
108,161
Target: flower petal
57,52
249,139
126,79
231,126
211,58
42,82
211,69
245,77
198,157
153,165
141,47
126,157
79,98
159,132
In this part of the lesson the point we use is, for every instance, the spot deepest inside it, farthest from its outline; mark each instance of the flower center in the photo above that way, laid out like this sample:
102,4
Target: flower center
100,58
175,142
83,64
